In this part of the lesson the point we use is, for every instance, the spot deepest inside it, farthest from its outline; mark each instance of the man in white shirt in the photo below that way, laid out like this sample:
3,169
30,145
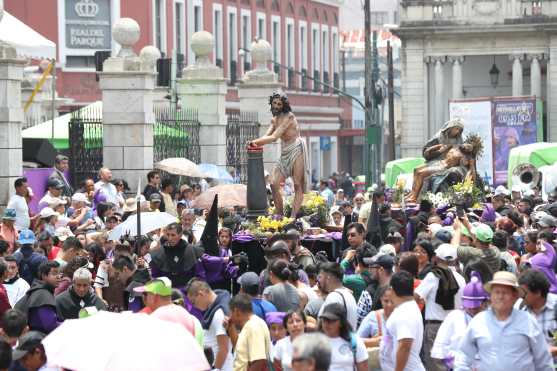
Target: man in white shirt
330,281
404,329
15,286
214,305
106,187
439,304
19,204
54,190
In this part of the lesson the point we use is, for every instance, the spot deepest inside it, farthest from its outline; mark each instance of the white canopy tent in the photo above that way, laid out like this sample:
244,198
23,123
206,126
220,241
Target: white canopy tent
28,42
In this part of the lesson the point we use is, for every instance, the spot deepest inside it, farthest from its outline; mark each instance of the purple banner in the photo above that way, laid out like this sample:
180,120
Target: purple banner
514,124
36,180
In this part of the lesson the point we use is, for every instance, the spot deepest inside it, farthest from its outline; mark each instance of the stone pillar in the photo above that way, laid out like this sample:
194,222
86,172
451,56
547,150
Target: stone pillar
439,104
457,76
254,92
203,88
11,118
517,73
127,85
535,75
415,109
256,200
551,96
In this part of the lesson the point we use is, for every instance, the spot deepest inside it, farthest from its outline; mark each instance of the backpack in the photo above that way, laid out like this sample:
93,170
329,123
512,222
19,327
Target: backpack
24,267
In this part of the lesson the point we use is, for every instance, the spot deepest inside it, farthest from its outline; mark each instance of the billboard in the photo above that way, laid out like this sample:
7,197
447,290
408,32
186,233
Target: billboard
88,24
514,124
477,119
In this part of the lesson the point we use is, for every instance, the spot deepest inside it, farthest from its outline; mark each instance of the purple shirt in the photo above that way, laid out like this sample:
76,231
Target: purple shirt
43,319
544,262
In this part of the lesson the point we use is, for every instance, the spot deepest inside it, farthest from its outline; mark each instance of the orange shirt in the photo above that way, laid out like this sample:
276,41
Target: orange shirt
9,235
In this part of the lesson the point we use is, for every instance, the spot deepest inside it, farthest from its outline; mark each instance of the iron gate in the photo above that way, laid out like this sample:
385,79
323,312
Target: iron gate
241,128
85,142
176,134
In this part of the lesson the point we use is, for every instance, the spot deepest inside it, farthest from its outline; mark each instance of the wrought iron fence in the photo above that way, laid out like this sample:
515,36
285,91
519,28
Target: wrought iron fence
85,142
176,134
241,128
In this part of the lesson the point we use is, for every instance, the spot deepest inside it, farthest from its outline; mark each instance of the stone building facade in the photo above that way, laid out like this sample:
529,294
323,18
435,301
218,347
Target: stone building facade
450,47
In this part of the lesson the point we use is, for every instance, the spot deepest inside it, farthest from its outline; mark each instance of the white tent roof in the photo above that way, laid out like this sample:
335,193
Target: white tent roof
28,42
44,130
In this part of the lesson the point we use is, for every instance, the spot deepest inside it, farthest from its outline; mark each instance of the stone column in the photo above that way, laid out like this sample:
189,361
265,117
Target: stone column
415,90
203,88
457,76
517,73
11,118
551,96
439,104
127,85
535,75
254,92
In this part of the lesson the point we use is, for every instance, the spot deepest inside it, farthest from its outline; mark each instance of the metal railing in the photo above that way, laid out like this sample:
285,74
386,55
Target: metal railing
241,128
176,134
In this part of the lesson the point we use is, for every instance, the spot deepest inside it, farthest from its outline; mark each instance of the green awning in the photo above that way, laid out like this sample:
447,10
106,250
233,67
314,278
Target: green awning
401,166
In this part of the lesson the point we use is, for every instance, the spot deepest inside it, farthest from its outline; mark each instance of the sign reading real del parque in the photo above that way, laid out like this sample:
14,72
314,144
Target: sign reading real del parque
88,24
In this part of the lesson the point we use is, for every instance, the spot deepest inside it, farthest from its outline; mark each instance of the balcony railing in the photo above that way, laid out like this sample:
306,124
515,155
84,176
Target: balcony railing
304,79
291,83
316,86
326,81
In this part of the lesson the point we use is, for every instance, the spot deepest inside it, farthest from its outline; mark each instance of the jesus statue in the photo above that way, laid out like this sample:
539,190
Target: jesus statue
292,162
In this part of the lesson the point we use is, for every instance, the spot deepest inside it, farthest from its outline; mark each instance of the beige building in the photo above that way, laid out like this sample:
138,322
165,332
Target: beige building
470,49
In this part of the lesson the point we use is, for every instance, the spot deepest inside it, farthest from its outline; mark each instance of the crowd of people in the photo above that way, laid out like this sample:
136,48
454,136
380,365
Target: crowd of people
430,288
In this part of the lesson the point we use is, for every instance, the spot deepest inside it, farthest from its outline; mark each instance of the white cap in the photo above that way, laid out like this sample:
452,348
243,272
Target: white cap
47,212
434,228
63,233
446,252
501,190
387,249
80,197
55,202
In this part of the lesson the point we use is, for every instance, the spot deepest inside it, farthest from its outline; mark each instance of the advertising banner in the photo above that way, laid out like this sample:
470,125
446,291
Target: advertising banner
477,120
88,24
514,124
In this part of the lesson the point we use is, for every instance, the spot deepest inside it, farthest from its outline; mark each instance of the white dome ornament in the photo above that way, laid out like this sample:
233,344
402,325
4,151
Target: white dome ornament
7,51
148,58
261,54
202,44
126,33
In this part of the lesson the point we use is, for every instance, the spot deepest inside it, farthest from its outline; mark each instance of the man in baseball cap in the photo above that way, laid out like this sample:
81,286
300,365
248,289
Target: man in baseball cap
489,253
55,188
547,223
30,351
156,293
441,291
249,284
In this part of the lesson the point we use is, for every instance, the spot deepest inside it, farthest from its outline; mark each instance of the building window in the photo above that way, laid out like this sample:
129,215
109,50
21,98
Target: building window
81,61
325,51
290,44
232,48
315,49
158,24
261,28
246,40
303,47
379,18
197,14
217,34
179,27
276,42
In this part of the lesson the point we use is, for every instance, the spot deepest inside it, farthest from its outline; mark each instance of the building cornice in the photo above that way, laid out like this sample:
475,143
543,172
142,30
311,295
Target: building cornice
330,2
419,29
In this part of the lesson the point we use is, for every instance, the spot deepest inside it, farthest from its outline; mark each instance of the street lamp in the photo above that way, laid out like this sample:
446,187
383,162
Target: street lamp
494,74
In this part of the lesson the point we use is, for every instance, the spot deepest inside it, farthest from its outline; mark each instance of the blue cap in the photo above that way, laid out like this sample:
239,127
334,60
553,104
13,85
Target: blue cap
26,237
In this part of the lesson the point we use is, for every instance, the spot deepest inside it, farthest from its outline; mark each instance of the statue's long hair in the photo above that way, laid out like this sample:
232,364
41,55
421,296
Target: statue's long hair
477,144
285,104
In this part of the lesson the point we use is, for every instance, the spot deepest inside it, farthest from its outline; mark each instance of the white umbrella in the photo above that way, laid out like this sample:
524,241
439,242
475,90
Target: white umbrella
180,166
150,222
123,341
27,42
